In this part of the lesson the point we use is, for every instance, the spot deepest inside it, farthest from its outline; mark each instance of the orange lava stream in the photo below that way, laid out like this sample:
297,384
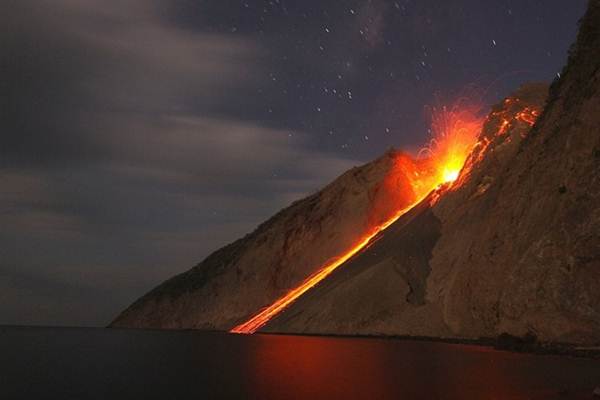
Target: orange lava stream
455,133
260,319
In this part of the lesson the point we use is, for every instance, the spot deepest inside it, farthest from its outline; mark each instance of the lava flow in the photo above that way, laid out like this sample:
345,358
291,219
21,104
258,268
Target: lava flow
455,133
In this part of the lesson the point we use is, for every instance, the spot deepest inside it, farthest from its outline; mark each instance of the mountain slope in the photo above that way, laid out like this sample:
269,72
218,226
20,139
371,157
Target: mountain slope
235,281
513,246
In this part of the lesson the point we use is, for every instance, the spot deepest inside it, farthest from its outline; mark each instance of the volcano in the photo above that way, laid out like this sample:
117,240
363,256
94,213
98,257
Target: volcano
494,228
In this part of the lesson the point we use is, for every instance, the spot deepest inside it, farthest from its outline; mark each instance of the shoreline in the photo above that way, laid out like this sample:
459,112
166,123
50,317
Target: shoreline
505,342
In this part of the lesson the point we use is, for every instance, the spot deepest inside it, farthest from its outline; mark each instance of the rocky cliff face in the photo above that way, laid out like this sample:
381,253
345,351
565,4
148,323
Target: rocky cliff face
513,246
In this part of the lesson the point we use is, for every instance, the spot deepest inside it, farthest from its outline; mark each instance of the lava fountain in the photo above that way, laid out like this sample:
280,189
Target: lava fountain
455,131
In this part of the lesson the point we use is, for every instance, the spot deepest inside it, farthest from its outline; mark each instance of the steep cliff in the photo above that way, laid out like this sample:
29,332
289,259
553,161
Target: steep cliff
514,247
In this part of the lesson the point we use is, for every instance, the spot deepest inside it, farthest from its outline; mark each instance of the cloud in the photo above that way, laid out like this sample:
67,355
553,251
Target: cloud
117,168
70,67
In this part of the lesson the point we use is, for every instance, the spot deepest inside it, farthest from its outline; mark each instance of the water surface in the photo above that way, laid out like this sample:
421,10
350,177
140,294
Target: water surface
80,363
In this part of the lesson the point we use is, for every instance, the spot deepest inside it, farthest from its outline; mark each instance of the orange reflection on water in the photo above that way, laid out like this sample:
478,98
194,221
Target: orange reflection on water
296,367
303,367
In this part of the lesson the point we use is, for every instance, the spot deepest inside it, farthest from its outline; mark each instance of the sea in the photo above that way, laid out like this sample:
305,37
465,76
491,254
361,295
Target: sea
98,363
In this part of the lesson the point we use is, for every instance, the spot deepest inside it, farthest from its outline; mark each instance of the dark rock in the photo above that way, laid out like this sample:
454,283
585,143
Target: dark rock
510,342
562,189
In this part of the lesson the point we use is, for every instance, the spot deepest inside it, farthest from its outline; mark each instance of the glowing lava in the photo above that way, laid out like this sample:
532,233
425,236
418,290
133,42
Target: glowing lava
265,315
455,132
450,175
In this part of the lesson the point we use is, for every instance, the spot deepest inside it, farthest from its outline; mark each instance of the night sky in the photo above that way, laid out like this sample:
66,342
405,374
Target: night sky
137,136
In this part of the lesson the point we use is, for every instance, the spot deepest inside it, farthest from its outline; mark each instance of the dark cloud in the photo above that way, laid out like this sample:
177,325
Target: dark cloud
74,67
116,173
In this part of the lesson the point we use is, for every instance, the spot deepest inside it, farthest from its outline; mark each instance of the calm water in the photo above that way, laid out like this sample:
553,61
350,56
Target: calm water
73,363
